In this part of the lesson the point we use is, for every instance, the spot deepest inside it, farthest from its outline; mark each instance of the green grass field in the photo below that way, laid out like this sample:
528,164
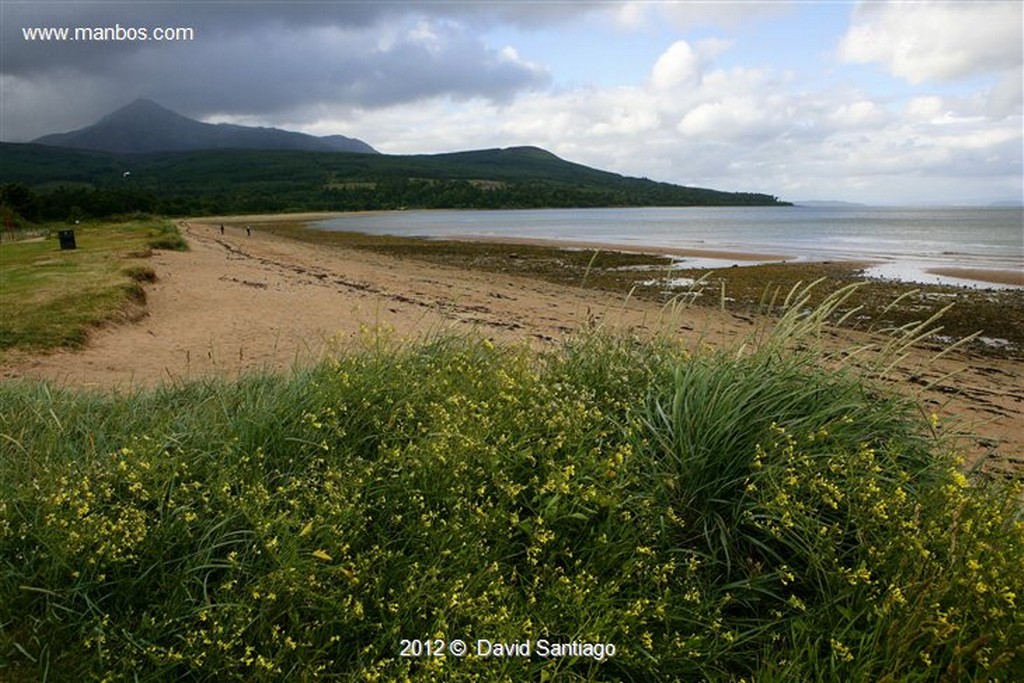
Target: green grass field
726,515
51,298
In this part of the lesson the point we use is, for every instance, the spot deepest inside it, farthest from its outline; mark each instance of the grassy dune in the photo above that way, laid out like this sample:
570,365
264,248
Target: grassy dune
726,515
51,298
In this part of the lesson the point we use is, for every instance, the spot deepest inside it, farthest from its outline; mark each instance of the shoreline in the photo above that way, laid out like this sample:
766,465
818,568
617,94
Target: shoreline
989,316
266,302
990,276
558,243
1000,277
710,255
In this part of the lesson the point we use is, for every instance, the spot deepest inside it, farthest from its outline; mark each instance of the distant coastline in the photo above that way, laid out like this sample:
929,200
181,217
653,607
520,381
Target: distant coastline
820,203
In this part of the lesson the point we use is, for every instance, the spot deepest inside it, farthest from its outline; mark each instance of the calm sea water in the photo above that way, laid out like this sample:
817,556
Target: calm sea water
904,242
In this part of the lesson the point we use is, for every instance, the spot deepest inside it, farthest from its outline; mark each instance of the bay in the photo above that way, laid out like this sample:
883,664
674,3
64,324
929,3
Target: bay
902,243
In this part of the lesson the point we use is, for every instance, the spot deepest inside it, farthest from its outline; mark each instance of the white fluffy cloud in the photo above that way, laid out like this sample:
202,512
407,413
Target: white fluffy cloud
755,129
679,65
935,41
734,118
859,114
924,109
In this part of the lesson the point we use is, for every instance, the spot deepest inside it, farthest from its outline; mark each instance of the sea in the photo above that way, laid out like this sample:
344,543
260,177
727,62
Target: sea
901,243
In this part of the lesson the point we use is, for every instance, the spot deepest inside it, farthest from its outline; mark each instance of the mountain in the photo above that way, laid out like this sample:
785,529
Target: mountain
145,158
80,183
144,126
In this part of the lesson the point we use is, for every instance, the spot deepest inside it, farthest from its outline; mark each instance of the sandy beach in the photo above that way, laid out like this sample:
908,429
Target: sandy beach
999,277
238,303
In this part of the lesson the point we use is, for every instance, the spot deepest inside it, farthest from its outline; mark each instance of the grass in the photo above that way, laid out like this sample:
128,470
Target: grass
52,298
730,515
989,314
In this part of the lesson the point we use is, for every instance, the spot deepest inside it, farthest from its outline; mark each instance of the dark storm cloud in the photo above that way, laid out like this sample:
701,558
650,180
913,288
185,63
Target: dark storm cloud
260,60
211,20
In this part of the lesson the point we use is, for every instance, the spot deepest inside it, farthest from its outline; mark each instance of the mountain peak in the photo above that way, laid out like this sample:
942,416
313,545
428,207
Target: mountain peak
145,126
142,106
530,152
141,111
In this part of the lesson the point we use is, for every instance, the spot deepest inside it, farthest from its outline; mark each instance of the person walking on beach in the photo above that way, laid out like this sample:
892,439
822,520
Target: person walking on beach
222,228
248,231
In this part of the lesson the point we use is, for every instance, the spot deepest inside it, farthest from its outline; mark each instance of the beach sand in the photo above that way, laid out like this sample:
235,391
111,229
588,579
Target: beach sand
237,303
999,277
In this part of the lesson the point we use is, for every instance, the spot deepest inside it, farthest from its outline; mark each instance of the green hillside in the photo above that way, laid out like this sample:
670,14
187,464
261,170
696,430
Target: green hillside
69,182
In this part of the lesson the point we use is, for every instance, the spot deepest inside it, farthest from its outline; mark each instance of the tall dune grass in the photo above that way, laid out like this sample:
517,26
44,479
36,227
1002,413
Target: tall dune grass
756,513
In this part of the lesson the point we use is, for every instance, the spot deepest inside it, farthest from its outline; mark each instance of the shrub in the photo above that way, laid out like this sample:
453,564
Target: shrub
727,515
165,235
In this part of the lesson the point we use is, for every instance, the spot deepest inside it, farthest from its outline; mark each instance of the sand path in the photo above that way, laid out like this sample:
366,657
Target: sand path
237,303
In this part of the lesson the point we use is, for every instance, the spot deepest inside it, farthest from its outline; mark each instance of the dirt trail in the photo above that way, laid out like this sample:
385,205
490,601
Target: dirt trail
237,303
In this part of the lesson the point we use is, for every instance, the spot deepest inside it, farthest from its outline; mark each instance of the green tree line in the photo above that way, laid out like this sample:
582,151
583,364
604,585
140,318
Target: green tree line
72,202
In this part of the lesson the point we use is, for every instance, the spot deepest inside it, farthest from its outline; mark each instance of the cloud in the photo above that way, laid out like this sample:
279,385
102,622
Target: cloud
743,128
738,128
679,65
277,62
38,106
922,42
924,109
213,22
630,16
730,118
858,114
687,15
1006,96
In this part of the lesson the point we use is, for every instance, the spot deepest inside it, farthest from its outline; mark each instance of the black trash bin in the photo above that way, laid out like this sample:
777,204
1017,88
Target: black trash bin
67,239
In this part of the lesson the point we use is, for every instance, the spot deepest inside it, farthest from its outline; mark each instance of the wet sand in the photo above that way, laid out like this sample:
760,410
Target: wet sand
743,256
999,277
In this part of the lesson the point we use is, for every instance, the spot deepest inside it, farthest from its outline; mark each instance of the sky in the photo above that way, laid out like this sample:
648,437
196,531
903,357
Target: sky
874,102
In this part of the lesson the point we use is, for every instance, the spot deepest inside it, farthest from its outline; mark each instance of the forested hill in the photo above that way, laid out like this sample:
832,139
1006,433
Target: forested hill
57,183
